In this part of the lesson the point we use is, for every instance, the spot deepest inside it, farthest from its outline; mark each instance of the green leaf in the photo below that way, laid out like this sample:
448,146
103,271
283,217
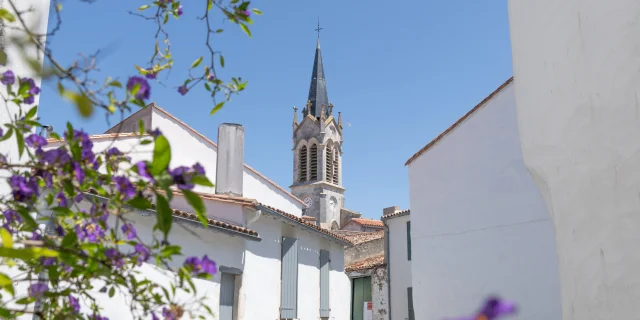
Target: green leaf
82,102
32,112
7,238
112,291
202,181
69,240
245,29
6,283
140,203
6,15
145,7
209,4
115,83
27,253
165,215
161,155
216,108
20,141
140,127
256,11
219,31
222,61
197,62
7,135
198,206
146,141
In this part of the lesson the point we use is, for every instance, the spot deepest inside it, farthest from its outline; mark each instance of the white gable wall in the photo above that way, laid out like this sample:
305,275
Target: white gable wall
479,223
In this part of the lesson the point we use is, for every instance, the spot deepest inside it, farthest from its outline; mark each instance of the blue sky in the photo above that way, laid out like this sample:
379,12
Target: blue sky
400,74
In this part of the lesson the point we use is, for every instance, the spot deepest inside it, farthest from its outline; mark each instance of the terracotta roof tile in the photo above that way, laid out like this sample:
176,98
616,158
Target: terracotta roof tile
222,198
308,218
368,222
371,262
310,225
361,237
212,222
391,215
457,123
104,136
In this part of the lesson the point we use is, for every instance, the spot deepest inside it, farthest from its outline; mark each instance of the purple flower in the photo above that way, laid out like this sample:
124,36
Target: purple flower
58,157
493,309
198,169
78,172
35,141
154,317
86,145
38,289
8,77
23,189
245,13
125,187
12,216
90,231
48,261
150,74
74,304
201,266
182,178
155,132
1,133
61,199
98,317
180,10
79,197
129,231
144,89
114,152
143,170
211,77
29,99
60,231
183,90
172,313
33,88
143,253
115,257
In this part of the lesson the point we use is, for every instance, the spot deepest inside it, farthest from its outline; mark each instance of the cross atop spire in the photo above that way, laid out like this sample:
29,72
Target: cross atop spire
318,28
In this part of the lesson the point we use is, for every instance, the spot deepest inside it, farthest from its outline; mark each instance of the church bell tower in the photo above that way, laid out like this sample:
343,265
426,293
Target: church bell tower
317,152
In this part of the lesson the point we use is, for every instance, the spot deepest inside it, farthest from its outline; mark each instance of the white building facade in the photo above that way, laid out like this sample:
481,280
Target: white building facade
479,225
576,65
272,264
398,255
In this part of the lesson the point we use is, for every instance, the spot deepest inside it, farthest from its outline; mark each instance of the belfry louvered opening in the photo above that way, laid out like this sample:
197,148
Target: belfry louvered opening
314,163
336,169
302,156
329,158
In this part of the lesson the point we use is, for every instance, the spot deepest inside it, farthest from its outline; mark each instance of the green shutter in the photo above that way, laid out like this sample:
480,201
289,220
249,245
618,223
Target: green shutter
361,293
412,315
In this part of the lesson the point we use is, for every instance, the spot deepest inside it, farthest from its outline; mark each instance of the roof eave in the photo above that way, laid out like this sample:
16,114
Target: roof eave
391,216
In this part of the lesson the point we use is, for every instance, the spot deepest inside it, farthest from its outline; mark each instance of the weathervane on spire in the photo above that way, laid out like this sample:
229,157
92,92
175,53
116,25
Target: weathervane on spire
318,29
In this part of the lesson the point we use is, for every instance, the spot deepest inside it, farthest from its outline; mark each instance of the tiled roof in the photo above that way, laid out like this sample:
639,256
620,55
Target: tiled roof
308,218
457,123
371,262
360,237
306,224
368,222
222,198
395,214
212,222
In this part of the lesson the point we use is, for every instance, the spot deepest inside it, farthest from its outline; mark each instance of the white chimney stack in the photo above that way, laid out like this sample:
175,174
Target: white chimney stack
230,164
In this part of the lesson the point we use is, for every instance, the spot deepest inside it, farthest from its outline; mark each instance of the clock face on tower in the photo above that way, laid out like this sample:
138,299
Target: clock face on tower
308,201
332,204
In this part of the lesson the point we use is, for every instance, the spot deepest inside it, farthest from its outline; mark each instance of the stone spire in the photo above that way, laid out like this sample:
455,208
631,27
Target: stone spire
318,90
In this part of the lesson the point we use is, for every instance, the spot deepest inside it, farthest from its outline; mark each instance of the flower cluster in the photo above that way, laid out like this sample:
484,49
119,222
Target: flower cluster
199,266
183,176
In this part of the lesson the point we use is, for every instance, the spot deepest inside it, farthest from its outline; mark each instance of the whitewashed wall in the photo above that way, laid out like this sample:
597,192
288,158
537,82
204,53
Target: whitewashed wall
479,224
399,267
261,282
17,63
577,65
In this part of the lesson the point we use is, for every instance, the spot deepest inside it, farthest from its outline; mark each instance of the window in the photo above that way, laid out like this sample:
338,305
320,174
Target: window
302,156
324,283
412,315
409,240
289,279
336,160
314,163
329,159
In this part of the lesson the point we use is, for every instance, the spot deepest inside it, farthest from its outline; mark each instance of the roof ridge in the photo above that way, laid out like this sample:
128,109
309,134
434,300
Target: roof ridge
458,122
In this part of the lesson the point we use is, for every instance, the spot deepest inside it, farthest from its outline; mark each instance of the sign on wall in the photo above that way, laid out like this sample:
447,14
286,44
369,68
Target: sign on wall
367,312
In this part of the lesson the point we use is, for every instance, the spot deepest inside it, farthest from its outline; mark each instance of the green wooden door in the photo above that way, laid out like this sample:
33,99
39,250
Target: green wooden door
360,292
